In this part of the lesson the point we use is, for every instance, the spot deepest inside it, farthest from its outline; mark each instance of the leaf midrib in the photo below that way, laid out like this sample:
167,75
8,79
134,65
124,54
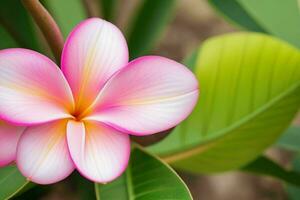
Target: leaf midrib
129,184
189,151
17,191
8,175
19,188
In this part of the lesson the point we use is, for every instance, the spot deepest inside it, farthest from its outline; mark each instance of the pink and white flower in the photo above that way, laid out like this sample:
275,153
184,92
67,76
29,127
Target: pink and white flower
80,117
9,137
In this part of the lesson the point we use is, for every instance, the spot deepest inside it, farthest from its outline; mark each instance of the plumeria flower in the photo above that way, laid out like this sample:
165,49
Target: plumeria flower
9,137
80,117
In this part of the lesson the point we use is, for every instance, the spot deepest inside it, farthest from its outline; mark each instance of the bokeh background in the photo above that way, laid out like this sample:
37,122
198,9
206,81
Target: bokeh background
193,22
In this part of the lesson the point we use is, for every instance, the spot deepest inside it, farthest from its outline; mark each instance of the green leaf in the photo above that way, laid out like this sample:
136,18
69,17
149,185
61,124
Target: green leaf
109,9
146,177
67,13
263,15
191,60
15,20
11,182
292,190
236,14
147,25
249,93
83,187
290,140
6,40
264,166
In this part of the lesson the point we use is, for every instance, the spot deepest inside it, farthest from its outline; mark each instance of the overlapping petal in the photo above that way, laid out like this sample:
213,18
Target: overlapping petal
42,153
32,88
149,95
93,52
99,152
9,137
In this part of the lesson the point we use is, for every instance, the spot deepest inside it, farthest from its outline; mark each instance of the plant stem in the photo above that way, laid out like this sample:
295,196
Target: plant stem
91,8
47,25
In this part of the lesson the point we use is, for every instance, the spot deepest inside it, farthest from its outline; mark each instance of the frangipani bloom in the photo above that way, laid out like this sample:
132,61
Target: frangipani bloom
9,137
82,115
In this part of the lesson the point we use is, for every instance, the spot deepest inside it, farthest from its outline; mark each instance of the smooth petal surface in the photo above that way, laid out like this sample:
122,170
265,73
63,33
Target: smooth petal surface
150,95
9,137
94,50
32,88
42,153
99,152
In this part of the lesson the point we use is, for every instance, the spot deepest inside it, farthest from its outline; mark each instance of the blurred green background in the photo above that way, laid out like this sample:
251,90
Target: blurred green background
193,22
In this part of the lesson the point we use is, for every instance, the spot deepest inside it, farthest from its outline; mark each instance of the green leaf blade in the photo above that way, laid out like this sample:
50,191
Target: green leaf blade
6,40
16,21
145,178
234,12
108,8
290,140
11,182
148,23
249,94
292,189
262,16
264,166
285,26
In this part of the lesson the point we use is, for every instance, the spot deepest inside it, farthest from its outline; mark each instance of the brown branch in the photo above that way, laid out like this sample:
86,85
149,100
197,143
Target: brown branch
91,8
47,25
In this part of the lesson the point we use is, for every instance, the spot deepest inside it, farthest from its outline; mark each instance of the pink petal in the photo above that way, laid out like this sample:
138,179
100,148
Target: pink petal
32,88
150,95
93,52
9,137
99,152
42,153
